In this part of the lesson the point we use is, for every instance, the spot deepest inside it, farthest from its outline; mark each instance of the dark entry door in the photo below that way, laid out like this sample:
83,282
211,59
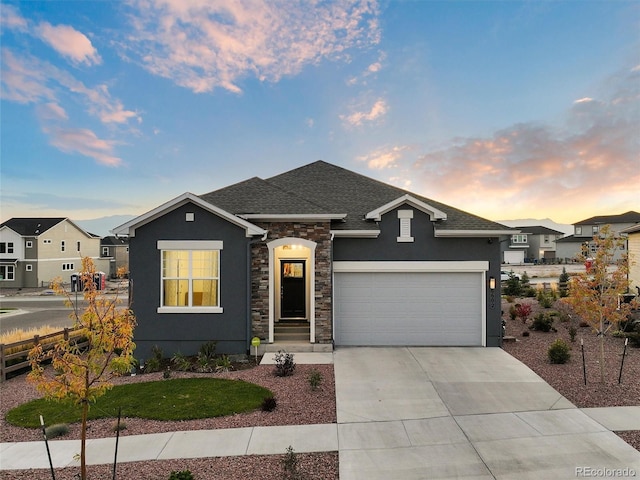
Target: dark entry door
292,290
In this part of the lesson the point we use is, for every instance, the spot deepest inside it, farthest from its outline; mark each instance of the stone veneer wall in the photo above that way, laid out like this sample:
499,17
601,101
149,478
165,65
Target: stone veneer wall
315,232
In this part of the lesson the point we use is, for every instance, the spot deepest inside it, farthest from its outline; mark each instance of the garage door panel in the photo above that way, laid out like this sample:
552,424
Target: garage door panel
383,308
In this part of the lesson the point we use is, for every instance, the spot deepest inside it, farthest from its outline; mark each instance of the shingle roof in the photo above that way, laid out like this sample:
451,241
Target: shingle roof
114,241
321,187
539,230
31,226
628,217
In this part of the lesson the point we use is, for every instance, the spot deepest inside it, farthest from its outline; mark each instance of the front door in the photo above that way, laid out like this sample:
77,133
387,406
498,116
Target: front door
292,289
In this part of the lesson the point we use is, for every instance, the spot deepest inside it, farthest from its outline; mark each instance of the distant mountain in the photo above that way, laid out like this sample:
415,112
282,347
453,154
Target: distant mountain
102,226
534,222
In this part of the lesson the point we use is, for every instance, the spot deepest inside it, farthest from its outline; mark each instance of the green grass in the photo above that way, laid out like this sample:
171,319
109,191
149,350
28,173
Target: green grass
176,399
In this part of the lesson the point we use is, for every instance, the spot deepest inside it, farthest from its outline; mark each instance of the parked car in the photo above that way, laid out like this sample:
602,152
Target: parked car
504,275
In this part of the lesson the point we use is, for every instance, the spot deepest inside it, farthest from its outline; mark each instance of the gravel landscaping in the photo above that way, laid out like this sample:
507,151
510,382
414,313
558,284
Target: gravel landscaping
297,403
568,379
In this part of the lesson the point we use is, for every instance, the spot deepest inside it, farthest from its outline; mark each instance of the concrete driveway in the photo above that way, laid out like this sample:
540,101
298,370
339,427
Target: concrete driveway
472,413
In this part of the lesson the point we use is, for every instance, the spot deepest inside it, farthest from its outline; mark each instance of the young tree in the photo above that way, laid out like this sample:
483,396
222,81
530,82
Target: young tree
596,293
83,375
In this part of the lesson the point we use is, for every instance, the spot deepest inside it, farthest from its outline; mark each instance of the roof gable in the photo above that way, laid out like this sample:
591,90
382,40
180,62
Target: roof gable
628,217
130,227
406,199
32,227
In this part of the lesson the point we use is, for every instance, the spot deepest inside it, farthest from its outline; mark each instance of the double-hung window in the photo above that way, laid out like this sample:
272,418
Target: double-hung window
190,274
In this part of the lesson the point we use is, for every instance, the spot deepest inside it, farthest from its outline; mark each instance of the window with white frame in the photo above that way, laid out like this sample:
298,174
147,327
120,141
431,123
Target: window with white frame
518,238
578,230
62,245
67,266
28,267
6,247
46,241
7,272
595,229
105,251
190,274
29,244
77,246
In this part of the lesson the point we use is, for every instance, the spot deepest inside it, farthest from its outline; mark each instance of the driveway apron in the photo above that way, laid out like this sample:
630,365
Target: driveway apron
469,413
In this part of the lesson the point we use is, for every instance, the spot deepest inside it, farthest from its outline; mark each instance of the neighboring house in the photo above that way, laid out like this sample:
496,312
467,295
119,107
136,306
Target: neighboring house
532,244
568,248
34,251
116,249
633,241
346,259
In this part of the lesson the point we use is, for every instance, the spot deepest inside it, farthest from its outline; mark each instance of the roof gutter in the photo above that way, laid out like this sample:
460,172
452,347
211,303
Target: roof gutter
473,233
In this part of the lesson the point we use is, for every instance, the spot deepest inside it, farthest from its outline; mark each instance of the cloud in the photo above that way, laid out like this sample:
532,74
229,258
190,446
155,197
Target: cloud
377,111
11,19
69,43
589,164
23,79
206,45
386,157
85,142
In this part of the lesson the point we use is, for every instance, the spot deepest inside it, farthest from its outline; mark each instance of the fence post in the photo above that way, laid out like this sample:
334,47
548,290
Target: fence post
66,334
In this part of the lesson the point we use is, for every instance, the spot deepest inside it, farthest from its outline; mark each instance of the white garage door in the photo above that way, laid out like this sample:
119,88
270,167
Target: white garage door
515,258
409,308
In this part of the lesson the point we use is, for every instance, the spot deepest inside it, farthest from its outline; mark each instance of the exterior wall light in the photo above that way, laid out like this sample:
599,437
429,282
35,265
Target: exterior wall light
492,283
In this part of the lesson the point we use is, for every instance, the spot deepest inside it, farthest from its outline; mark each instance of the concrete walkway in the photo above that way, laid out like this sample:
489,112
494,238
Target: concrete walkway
409,413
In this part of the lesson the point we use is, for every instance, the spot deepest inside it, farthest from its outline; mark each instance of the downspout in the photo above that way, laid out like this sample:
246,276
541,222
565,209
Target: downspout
333,307
248,299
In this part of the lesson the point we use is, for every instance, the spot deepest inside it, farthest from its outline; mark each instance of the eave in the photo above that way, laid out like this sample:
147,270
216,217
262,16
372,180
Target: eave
289,217
474,233
356,233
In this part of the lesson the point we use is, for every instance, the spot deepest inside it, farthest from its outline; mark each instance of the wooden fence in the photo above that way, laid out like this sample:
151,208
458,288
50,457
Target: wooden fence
6,358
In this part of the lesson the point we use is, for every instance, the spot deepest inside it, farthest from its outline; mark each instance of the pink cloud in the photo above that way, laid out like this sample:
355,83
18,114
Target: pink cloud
386,157
377,111
84,142
69,42
206,45
589,165
11,19
23,79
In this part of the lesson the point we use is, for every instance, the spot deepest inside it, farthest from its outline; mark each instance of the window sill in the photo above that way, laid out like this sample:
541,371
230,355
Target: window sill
404,239
190,310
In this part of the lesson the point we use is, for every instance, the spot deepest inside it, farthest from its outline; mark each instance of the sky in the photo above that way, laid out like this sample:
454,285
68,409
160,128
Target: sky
505,109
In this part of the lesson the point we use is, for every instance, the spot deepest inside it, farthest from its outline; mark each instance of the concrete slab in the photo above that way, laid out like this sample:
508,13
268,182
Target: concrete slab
560,422
557,456
617,419
131,448
302,358
434,431
207,443
23,455
470,398
303,438
459,461
495,426
372,435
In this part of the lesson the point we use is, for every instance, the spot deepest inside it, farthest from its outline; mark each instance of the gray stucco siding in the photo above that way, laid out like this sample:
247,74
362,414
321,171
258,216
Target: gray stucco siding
427,247
186,332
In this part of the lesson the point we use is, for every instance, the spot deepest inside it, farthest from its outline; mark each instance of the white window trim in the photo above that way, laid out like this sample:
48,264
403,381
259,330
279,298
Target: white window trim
405,217
190,245
29,244
28,268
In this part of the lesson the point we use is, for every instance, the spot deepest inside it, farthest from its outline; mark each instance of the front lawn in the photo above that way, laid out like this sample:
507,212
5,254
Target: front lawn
173,399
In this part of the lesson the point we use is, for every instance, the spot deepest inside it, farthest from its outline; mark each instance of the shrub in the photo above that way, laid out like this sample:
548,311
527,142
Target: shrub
154,363
269,404
513,286
208,349
563,283
180,362
513,313
559,352
182,475
509,299
166,373
315,379
223,364
204,364
572,333
56,430
523,311
546,299
542,322
285,365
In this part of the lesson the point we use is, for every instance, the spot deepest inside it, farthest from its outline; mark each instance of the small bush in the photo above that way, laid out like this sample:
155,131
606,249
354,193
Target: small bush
166,373
513,313
154,363
315,379
269,404
572,333
204,364
182,475
208,349
285,365
57,430
223,364
523,311
542,322
559,352
180,362
509,299
116,427
546,299
290,465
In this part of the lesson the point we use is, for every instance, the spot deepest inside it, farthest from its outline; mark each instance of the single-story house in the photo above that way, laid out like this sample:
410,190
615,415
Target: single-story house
341,258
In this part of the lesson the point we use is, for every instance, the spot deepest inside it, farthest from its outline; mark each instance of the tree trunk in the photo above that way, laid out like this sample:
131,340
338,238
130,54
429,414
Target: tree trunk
83,441
602,351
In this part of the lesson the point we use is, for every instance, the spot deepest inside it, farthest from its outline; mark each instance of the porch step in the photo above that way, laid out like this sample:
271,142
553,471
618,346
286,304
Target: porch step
293,347
291,329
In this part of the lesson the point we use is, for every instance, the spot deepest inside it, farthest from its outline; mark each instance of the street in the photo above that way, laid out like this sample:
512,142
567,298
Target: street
34,312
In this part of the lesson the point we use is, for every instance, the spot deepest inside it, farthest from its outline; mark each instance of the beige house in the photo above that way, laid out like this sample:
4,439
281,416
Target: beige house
633,241
34,251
